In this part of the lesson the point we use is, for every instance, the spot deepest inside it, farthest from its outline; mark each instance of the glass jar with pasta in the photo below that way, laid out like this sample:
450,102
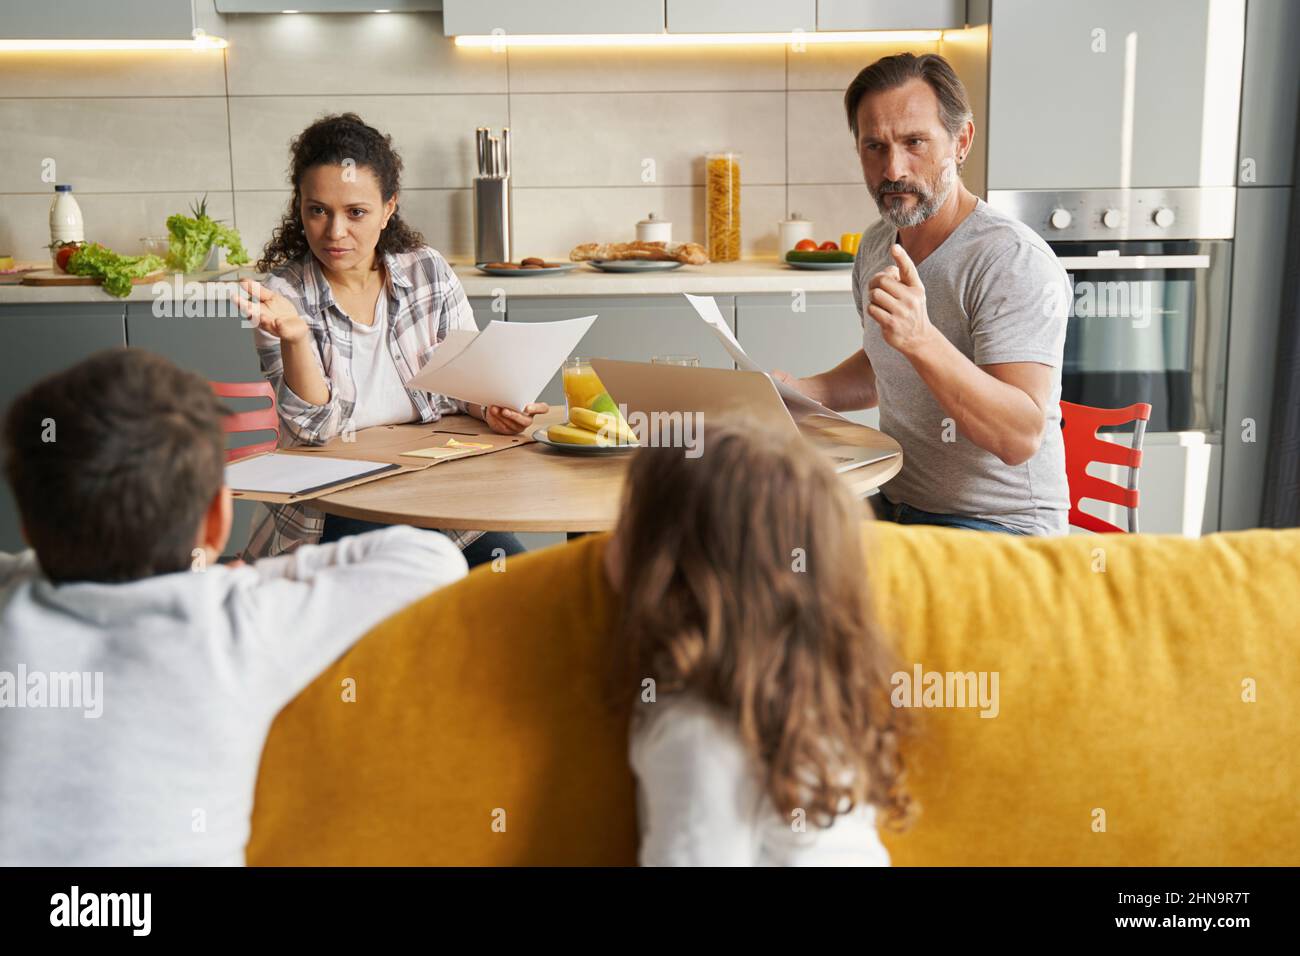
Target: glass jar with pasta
722,206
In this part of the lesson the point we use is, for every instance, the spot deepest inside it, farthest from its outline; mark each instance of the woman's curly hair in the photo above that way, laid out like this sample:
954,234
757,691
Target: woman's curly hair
329,142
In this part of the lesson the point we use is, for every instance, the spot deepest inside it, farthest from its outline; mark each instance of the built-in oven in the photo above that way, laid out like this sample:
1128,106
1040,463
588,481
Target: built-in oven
1148,296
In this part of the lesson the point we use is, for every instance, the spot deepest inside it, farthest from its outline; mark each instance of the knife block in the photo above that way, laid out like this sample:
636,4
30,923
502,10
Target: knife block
493,220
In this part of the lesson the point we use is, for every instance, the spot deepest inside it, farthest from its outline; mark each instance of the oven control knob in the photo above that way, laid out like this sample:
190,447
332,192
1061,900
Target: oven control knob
1060,218
1163,217
1110,218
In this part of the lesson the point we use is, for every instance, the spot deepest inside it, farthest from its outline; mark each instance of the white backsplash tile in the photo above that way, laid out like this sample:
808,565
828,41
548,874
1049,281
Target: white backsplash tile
550,222
115,144
832,66
616,139
588,70
434,134
102,73
821,146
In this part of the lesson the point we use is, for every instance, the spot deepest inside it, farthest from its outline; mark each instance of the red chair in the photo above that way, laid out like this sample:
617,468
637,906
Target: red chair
256,420
1079,424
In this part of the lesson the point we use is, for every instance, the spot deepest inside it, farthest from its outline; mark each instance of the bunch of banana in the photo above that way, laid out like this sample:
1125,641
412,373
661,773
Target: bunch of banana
588,427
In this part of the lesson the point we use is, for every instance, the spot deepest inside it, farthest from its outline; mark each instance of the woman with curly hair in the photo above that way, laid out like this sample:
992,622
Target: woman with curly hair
354,305
763,732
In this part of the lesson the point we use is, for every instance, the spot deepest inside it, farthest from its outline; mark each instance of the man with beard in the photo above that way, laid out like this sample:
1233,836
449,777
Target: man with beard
963,312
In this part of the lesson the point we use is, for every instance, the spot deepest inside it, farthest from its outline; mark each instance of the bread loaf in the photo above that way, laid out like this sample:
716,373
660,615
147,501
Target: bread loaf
691,253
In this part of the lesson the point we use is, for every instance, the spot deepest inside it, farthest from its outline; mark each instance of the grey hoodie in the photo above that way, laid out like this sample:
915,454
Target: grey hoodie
132,716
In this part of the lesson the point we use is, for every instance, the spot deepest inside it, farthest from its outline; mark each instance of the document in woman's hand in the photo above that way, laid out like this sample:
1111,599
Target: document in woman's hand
507,363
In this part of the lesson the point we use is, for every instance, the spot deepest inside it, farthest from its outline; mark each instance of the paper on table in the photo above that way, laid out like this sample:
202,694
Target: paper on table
452,449
799,404
507,363
295,474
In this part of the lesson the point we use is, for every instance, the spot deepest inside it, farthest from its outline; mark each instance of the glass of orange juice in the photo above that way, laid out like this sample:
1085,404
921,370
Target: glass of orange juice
582,386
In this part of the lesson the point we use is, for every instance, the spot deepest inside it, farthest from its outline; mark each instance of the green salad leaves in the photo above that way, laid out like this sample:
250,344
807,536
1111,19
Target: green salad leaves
115,270
192,238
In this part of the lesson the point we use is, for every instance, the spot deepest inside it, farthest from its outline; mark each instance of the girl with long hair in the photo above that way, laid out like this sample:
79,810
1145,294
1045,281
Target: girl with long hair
763,731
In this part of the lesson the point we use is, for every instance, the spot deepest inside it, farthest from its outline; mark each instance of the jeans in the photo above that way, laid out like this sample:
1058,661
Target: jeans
886,510
478,552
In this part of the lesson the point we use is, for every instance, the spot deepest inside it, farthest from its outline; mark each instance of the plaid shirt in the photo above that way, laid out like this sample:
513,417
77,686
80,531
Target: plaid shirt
425,301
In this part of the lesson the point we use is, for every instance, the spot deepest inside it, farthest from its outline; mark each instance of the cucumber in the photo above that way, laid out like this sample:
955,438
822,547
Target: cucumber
818,256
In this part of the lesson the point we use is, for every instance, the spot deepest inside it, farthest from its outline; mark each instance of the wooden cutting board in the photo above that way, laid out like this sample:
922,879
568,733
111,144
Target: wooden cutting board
51,277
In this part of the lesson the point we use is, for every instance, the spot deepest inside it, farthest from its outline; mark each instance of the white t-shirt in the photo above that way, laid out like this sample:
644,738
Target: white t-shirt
701,801
381,397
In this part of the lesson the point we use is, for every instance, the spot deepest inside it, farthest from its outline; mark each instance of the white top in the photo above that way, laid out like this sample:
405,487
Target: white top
381,396
701,801
193,667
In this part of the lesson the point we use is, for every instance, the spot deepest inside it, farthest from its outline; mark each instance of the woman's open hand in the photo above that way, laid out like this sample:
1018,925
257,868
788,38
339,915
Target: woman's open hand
272,312
507,421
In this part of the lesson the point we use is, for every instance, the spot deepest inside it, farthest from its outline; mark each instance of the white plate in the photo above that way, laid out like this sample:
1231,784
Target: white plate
513,273
634,265
543,439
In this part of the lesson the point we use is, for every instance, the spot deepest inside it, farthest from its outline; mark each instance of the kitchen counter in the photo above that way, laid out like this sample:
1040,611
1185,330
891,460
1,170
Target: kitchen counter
721,278
757,275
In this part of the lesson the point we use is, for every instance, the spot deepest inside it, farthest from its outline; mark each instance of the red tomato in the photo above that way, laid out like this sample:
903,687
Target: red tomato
805,245
828,246
64,254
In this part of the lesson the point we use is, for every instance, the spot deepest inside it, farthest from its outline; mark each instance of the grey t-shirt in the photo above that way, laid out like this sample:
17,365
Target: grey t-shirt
994,289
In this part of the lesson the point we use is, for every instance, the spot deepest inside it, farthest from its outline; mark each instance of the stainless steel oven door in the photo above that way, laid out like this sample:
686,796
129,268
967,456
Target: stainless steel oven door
1148,323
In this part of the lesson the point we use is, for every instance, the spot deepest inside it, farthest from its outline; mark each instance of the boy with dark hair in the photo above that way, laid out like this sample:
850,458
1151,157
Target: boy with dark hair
139,677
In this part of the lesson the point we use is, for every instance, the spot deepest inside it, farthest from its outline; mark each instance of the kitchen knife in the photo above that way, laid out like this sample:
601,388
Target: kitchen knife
505,151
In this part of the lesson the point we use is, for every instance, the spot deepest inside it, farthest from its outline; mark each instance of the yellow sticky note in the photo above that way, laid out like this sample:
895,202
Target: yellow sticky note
453,443
432,453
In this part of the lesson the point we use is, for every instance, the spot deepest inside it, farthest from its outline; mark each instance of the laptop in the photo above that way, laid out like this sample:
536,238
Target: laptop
716,392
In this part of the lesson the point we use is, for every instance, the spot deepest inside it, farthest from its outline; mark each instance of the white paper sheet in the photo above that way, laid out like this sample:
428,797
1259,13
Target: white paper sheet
799,404
507,363
293,474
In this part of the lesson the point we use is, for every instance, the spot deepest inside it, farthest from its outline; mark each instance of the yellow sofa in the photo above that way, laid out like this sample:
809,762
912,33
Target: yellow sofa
1148,711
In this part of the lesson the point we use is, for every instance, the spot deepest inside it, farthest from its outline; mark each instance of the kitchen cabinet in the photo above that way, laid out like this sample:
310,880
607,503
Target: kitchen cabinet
326,6
572,16
96,20
1270,78
1114,94
484,311
741,16
40,340
802,343
891,15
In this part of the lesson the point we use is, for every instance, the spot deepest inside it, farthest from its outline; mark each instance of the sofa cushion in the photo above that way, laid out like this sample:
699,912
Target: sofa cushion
480,705
1120,663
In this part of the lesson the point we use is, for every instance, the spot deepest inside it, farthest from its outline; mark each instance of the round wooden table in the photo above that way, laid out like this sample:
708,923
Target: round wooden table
534,488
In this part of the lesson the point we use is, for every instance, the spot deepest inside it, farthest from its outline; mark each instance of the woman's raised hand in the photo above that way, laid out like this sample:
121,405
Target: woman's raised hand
272,312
